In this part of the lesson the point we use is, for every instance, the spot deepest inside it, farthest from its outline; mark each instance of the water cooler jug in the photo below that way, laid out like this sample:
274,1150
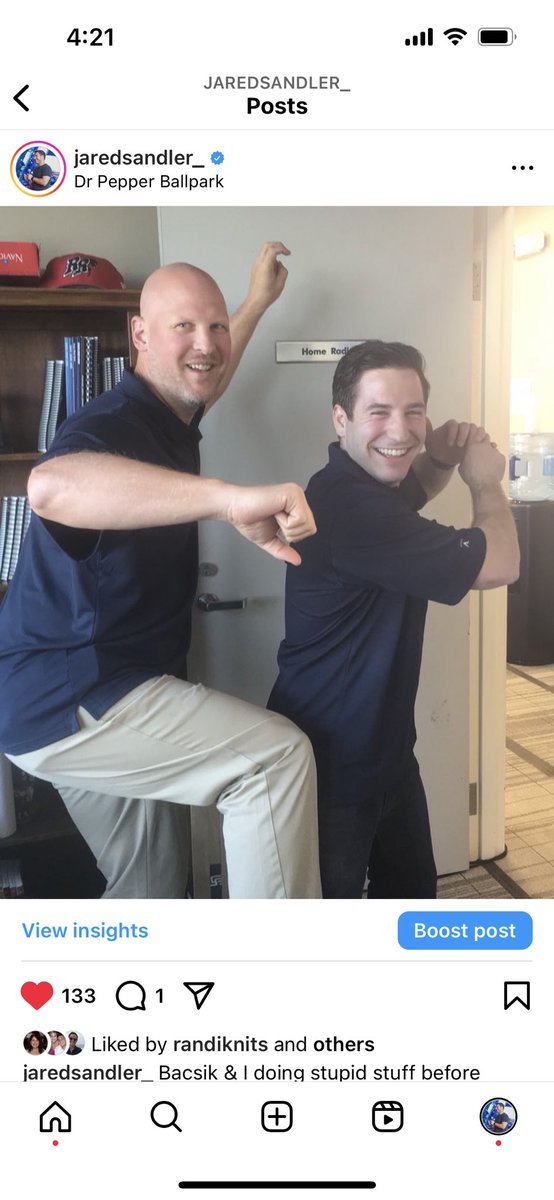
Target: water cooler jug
531,597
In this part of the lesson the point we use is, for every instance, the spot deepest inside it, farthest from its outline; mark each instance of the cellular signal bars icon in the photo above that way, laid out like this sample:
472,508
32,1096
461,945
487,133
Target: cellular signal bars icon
420,39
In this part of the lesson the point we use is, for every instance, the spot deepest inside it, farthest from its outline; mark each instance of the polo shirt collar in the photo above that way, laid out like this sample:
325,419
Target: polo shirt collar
341,461
136,388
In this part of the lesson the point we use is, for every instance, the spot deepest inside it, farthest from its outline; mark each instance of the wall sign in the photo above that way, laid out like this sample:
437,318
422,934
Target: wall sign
312,352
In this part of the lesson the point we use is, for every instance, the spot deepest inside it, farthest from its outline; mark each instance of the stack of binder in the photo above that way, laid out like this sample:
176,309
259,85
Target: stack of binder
74,379
81,372
112,371
15,515
11,883
51,402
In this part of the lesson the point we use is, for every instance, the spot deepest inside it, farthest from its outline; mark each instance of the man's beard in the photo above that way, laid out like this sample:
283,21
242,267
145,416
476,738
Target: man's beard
175,393
189,401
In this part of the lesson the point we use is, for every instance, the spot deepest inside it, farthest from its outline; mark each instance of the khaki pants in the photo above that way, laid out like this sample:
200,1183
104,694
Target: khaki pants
168,740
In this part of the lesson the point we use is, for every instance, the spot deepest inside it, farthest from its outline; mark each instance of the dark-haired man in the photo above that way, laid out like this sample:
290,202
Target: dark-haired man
355,611
40,176
499,1121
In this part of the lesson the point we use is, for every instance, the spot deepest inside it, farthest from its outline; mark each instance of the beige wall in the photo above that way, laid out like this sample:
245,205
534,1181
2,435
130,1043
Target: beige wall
354,272
128,237
532,404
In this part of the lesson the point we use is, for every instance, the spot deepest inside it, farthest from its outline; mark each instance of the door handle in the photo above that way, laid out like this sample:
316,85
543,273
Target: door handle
207,602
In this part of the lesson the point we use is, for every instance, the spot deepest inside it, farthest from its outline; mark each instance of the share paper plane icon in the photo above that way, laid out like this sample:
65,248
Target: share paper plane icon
200,992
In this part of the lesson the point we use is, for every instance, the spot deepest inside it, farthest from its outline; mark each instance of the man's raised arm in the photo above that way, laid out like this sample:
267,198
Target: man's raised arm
445,447
267,280
482,469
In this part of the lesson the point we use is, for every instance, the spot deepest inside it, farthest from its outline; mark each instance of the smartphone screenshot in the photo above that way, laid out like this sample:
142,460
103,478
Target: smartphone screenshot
276,601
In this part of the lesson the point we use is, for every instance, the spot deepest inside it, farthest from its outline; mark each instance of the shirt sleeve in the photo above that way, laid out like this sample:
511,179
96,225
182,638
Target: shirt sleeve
85,433
377,541
92,433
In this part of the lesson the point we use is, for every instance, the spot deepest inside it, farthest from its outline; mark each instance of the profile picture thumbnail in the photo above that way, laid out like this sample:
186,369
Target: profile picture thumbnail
75,1042
498,1116
35,1042
38,168
58,1042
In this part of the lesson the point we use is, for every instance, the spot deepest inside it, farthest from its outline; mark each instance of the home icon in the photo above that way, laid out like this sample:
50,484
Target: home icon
55,1118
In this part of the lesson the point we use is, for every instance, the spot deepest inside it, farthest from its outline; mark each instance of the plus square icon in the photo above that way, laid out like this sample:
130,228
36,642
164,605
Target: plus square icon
277,1116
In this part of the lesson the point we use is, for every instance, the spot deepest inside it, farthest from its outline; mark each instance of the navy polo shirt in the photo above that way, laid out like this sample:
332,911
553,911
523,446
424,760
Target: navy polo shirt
355,614
90,614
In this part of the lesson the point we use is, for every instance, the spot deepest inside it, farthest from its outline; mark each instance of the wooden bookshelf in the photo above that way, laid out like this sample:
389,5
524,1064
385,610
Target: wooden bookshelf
10,458
33,324
69,299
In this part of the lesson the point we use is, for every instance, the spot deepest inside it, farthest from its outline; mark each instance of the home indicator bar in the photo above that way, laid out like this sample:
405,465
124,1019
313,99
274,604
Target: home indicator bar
281,1183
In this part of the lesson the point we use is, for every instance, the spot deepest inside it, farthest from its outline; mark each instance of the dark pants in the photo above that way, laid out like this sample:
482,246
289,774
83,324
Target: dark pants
385,833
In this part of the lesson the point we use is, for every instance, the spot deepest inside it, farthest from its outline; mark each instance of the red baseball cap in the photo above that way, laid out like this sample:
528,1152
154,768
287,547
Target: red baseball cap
81,271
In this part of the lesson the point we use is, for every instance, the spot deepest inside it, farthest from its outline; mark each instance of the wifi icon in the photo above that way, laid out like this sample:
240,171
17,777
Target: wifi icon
455,35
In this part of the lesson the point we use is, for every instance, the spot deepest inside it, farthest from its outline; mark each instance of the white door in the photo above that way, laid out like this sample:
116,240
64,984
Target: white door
397,274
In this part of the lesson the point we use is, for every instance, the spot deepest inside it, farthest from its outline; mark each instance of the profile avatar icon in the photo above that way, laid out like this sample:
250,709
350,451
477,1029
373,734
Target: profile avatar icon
75,1042
35,1042
58,1042
38,168
498,1116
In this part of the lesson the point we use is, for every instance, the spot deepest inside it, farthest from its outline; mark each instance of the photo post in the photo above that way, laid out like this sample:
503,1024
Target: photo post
276,597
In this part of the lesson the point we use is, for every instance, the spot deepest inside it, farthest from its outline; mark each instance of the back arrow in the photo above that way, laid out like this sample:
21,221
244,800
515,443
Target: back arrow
20,93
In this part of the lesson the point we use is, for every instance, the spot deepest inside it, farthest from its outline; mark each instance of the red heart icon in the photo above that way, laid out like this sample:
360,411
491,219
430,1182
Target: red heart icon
37,994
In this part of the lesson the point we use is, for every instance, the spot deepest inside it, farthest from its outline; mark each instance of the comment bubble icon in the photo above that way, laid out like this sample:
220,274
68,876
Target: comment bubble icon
131,996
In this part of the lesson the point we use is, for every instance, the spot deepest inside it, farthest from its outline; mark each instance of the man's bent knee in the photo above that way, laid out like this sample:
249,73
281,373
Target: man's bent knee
292,736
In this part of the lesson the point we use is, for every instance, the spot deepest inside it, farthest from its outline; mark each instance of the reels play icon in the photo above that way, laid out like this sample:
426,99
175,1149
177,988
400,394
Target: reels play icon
387,1116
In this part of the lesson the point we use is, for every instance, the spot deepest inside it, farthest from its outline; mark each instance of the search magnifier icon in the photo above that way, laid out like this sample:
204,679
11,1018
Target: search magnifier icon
164,1114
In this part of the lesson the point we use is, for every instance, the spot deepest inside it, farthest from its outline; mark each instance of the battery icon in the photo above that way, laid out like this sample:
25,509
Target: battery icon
495,37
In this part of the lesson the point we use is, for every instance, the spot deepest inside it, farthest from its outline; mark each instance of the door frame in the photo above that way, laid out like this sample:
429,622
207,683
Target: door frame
491,407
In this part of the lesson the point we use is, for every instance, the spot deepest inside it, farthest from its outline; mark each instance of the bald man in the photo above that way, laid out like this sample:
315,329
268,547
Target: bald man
95,628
